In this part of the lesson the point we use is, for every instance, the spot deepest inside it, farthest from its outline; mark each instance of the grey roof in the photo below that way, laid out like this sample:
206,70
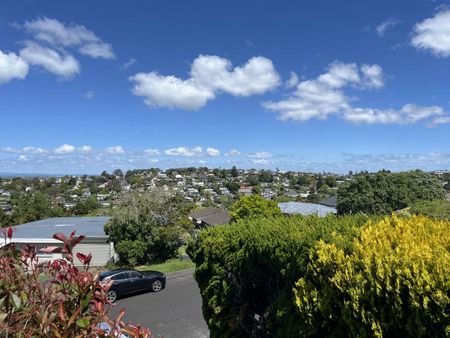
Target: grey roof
211,216
330,201
46,228
294,208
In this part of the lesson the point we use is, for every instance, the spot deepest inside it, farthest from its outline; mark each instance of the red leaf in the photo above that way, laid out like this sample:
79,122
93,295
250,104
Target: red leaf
51,249
84,259
10,232
60,237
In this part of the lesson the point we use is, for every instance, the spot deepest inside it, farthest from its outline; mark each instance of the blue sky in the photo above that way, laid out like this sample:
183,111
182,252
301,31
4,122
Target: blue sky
312,85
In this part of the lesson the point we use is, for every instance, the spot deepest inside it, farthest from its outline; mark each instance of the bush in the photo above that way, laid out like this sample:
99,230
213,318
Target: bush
147,228
439,209
254,206
54,299
384,192
246,271
394,283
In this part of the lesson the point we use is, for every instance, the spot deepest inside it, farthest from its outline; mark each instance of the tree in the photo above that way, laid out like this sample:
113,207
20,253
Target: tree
234,172
233,187
330,181
31,207
303,180
265,176
86,207
254,206
4,219
146,228
385,192
118,172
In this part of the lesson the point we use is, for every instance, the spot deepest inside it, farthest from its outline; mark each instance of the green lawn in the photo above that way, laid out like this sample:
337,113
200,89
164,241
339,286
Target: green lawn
171,265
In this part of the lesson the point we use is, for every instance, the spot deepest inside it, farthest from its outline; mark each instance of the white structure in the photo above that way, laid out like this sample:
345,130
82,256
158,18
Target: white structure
40,234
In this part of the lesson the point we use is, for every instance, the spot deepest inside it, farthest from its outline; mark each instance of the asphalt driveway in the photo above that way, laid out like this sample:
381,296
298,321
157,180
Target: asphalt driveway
175,312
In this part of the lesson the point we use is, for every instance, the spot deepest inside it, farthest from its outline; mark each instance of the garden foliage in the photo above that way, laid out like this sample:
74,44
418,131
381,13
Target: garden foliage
246,271
394,283
344,276
54,299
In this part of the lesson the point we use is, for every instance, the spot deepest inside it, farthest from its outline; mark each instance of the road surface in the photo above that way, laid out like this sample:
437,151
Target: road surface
175,312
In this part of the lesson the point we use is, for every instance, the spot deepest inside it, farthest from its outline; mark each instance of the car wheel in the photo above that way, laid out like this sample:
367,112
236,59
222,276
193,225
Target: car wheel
157,286
112,296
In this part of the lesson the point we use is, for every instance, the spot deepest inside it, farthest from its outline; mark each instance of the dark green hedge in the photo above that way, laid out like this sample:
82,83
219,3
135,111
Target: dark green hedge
247,271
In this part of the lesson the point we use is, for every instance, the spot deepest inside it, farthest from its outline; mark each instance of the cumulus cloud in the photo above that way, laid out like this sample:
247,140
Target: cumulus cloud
325,96
65,149
433,34
262,154
184,151
34,150
152,152
386,25
212,151
57,33
261,161
170,91
292,81
12,66
408,114
233,152
64,65
209,75
115,150
85,149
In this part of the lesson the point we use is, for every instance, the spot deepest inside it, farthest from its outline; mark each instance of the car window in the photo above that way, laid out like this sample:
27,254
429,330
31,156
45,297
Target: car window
134,274
119,276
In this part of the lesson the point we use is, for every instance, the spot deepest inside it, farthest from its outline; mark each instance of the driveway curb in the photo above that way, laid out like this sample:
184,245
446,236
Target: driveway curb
180,274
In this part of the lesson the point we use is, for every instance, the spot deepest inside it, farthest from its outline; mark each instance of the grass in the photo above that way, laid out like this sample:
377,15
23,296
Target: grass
171,265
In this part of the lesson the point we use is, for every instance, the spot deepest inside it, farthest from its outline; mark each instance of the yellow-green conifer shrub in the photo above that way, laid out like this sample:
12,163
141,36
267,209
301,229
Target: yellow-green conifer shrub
394,283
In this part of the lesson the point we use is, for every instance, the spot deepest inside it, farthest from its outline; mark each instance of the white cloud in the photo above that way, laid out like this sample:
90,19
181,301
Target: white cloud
85,149
386,25
115,150
65,149
292,82
23,158
263,154
439,120
12,66
89,94
209,75
129,63
262,161
433,34
408,114
184,151
34,150
170,91
64,65
152,152
213,151
233,152
257,76
9,150
57,33
324,96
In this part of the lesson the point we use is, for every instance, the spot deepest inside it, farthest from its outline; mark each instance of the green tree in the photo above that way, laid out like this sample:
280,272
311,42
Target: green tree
385,192
86,207
234,172
254,206
4,219
233,187
146,228
32,207
330,181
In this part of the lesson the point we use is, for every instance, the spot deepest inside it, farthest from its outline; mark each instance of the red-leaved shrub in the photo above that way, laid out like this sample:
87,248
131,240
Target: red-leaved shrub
55,298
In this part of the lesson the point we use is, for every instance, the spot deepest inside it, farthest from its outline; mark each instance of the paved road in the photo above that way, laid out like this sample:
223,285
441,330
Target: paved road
175,312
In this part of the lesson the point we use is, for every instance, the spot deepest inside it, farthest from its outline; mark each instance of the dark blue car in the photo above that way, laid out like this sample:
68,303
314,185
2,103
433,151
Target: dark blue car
126,281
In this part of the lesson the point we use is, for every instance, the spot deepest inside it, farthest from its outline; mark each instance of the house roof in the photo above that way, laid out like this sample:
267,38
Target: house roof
330,201
295,208
46,228
211,216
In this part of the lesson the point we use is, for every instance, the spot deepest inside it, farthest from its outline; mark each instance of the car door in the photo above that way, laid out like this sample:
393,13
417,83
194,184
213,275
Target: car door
121,283
136,281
